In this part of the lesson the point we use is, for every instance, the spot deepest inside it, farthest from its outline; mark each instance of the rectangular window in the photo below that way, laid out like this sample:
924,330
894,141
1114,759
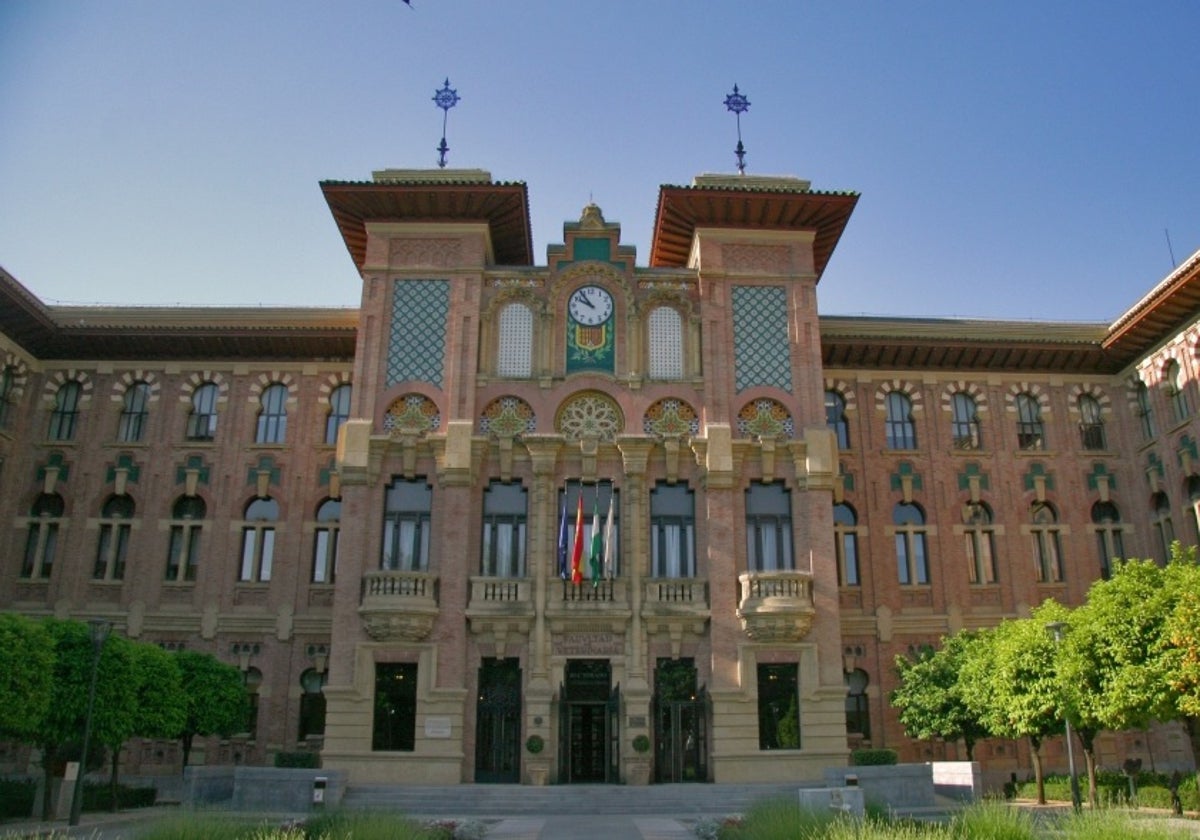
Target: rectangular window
183,554
395,724
258,550
912,564
981,564
768,528
778,707
406,526
847,548
672,532
1047,557
504,531
325,552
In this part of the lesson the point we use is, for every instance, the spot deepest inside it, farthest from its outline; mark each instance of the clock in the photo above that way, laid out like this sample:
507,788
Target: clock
590,306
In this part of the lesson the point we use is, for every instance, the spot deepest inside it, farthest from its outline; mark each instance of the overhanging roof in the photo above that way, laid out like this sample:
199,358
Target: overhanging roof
964,344
683,209
175,332
1163,311
504,207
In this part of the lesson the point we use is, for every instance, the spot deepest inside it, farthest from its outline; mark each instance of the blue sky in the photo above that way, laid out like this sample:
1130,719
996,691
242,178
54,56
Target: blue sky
1015,160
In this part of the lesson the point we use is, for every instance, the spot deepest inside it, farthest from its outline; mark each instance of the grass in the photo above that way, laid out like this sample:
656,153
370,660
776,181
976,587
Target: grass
988,820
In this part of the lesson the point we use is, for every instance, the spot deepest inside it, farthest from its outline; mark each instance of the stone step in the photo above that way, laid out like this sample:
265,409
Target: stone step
469,800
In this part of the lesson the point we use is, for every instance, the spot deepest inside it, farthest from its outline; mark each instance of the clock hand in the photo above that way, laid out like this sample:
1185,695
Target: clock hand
585,300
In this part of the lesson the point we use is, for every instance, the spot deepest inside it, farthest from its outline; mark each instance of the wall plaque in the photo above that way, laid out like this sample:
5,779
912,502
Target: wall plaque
589,644
437,727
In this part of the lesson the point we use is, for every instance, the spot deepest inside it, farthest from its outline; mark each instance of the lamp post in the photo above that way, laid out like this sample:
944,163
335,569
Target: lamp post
99,629
1056,628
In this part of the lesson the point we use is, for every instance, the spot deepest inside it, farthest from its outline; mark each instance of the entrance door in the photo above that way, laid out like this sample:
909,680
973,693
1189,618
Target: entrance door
588,723
680,723
498,721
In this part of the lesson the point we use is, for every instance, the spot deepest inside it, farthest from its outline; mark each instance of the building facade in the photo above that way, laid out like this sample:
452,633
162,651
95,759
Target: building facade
586,521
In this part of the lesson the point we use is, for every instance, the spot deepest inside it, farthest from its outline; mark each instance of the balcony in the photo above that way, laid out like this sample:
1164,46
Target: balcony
572,605
500,606
776,606
674,608
399,606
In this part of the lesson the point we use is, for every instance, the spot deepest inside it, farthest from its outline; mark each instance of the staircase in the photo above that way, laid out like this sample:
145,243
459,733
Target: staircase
489,801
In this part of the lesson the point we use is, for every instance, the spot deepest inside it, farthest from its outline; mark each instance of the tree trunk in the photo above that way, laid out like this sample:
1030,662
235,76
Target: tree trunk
1089,758
112,778
187,749
49,757
1035,754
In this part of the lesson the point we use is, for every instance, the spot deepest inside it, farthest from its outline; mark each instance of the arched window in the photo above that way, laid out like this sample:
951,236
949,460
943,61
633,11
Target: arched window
42,538
66,411
845,536
835,418
183,551
135,409
406,526
514,350
8,385
1031,432
113,544
1091,423
339,412
768,528
665,345
1145,410
964,423
1177,392
258,540
326,538
901,432
312,704
1107,523
1047,543
1164,531
505,508
858,713
272,416
912,559
672,531
202,422
980,543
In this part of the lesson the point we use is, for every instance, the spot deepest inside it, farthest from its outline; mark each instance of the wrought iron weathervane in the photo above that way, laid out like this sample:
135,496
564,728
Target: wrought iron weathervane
446,98
739,104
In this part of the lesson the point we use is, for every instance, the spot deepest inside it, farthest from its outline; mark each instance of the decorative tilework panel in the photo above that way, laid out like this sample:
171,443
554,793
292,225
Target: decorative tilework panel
762,354
417,344
666,344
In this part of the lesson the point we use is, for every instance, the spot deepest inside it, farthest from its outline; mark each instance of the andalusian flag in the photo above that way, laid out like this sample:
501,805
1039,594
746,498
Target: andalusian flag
610,542
597,557
577,553
563,571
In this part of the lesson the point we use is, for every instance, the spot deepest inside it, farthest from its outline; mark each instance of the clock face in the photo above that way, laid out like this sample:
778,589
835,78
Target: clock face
590,306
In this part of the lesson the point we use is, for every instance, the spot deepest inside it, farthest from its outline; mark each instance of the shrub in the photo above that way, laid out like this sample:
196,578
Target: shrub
535,744
873,758
98,797
16,798
305,760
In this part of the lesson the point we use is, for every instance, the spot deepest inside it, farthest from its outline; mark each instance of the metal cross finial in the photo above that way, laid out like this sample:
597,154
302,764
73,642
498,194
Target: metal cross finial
738,103
446,98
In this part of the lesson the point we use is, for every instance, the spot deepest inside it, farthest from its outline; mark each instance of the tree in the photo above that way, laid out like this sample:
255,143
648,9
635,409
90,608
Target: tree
1008,682
1182,642
215,698
26,675
929,697
159,707
61,729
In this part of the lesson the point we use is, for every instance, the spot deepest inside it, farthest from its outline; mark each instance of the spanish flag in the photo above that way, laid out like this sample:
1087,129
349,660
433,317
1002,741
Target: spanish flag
577,550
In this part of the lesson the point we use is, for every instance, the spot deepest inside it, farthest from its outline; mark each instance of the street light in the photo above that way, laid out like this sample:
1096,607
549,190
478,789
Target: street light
99,629
1056,628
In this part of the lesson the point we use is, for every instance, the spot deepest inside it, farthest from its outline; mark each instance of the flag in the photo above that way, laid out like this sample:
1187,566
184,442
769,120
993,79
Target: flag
610,542
577,551
563,571
597,544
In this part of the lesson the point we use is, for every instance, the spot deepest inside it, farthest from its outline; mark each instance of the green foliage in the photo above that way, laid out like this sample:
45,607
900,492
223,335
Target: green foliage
535,744
215,697
368,825
213,827
873,757
1110,824
306,760
641,744
778,819
929,696
27,666
993,820
16,798
1152,790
